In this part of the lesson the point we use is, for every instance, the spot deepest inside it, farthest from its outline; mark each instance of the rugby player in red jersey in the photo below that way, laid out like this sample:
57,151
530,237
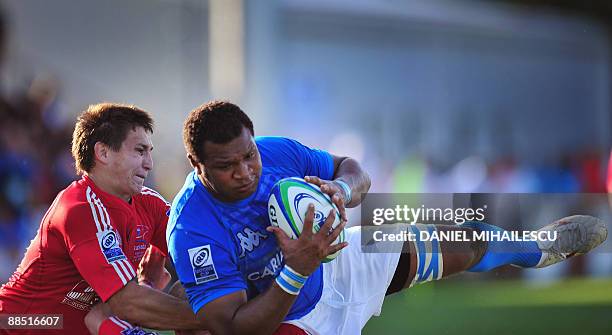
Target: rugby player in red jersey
95,233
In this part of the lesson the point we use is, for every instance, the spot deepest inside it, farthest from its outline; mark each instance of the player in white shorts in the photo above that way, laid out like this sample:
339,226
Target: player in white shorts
240,279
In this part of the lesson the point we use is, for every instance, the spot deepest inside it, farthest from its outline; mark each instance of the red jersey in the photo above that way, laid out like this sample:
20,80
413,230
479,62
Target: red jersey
609,182
87,248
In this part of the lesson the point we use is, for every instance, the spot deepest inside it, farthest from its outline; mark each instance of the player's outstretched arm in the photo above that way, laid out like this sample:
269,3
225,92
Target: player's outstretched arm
349,182
178,291
150,308
95,317
233,314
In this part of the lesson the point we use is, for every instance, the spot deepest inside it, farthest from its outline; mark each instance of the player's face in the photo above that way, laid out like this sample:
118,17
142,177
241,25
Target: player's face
232,170
132,163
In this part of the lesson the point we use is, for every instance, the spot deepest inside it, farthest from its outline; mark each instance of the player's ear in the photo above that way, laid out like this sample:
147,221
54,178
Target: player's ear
194,164
101,152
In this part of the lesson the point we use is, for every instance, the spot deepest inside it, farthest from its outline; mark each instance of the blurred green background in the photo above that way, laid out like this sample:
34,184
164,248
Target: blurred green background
501,307
573,306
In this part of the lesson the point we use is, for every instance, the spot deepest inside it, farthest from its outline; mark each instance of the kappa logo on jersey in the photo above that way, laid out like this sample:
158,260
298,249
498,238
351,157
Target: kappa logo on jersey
249,240
202,264
110,244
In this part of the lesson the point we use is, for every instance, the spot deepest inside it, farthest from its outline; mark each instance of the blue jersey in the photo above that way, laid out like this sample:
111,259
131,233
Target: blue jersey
218,248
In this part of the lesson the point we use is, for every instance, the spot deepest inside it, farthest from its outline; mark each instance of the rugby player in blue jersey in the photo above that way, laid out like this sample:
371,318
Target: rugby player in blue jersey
241,276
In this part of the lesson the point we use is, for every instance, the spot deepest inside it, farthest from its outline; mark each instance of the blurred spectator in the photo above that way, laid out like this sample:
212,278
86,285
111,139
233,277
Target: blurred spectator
559,178
590,172
33,166
609,182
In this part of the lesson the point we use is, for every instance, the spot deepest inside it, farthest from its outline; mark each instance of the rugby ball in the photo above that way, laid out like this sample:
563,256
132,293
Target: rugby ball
288,203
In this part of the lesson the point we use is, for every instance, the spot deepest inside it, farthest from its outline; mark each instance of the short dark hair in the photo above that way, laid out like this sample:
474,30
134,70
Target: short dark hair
108,123
215,121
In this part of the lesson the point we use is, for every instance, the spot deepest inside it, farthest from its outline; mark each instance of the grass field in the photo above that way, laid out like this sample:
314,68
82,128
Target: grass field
498,308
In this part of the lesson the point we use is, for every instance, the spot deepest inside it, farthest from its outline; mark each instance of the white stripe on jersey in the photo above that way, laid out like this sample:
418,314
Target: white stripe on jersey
104,218
120,323
124,269
93,210
127,268
149,191
124,280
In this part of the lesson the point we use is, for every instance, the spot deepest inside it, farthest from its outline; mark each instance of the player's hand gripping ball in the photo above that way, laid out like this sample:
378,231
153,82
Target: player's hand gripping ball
288,203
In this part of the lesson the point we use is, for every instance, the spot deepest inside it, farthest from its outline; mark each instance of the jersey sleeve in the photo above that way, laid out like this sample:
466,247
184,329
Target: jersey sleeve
294,155
159,209
95,248
205,260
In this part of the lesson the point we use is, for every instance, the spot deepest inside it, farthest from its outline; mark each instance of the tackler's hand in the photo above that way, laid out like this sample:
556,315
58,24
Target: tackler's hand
152,271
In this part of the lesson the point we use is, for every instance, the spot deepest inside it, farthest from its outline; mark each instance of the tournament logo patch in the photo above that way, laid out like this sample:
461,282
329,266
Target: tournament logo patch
110,244
141,232
137,331
202,264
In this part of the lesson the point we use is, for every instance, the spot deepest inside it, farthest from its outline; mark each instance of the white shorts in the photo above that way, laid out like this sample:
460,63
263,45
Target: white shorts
354,287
